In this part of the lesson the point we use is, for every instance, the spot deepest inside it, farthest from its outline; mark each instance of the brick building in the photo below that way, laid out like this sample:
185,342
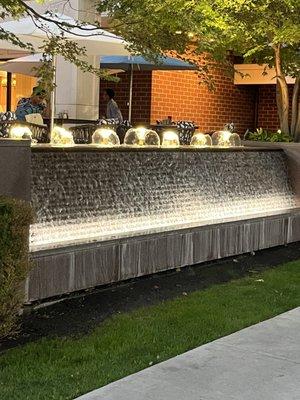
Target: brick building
267,108
180,94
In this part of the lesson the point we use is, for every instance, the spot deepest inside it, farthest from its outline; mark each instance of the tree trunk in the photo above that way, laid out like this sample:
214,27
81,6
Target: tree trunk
282,94
295,124
297,127
279,101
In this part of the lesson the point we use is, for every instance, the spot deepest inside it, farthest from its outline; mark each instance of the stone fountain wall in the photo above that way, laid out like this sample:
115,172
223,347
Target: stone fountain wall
105,216
81,197
15,169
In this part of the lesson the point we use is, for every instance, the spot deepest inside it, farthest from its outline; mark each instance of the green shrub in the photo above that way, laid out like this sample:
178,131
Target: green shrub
15,218
264,136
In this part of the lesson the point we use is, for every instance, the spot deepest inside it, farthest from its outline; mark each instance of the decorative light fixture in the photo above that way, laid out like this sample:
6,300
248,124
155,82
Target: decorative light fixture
201,140
170,139
20,132
141,136
105,137
61,137
13,82
226,139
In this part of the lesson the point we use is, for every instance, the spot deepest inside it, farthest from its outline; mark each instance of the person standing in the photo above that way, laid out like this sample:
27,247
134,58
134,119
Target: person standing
112,109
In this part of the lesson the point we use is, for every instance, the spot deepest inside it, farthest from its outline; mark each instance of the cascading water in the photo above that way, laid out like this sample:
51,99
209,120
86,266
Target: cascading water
84,196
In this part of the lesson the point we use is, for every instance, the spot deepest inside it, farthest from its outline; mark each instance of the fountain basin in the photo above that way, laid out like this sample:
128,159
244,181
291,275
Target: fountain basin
73,268
109,214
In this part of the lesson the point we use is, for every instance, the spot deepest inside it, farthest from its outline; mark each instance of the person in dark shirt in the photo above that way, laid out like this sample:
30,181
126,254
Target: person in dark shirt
35,104
112,109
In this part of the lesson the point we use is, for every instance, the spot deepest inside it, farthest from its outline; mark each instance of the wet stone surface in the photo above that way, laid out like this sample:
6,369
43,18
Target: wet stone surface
82,196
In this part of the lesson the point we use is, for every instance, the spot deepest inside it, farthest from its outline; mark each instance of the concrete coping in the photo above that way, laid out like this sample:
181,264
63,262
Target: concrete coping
122,148
272,145
14,142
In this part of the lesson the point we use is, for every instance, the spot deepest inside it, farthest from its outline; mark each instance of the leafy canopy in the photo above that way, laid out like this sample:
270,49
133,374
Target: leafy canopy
248,27
214,28
56,44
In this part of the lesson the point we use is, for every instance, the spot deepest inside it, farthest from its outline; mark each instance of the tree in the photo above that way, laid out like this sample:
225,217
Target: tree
56,43
262,31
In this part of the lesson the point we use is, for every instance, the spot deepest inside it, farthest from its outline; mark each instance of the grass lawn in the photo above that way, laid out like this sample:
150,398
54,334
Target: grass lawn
65,368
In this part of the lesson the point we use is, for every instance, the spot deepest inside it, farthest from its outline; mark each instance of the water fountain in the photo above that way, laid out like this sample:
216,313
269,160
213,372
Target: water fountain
105,137
102,196
61,137
105,214
226,138
20,132
141,137
170,139
199,139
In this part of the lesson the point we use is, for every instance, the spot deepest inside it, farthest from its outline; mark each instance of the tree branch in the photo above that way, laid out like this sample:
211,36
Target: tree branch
63,25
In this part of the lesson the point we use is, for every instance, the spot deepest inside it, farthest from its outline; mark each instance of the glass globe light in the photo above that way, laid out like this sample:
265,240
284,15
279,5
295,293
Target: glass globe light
105,137
20,132
236,140
135,136
61,137
226,139
201,140
151,138
170,139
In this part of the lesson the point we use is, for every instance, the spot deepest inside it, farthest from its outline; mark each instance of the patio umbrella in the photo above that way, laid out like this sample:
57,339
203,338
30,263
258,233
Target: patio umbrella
96,41
139,63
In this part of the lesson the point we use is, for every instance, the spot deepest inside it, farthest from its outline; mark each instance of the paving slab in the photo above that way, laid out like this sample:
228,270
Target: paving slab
261,362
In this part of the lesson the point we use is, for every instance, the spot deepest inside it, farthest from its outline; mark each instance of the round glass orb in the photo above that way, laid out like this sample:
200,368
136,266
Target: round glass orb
105,137
141,137
151,138
20,132
135,136
170,139
226,139
61,137
236,140
201,140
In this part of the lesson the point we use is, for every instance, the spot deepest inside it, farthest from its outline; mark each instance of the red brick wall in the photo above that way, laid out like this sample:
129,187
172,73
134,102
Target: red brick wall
267,107
141,102
179,94
160,94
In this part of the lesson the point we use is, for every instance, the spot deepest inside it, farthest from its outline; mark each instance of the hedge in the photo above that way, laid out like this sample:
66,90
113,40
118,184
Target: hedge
15,218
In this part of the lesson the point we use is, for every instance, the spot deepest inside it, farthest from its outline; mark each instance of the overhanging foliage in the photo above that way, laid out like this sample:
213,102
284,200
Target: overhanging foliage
56,44
262,31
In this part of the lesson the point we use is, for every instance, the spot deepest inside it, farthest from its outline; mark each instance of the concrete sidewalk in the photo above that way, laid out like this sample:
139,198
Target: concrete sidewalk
261,362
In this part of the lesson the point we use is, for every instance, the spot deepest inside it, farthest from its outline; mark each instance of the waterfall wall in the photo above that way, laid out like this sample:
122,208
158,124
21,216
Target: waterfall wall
86,196
104,216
